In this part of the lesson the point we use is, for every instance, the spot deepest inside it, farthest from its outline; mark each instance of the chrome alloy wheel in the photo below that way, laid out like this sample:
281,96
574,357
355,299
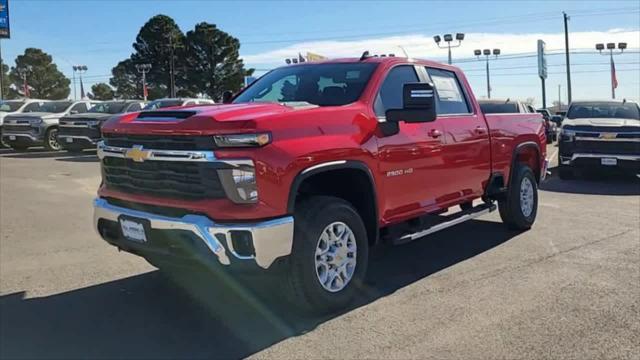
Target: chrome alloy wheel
526,197
336,256
53,139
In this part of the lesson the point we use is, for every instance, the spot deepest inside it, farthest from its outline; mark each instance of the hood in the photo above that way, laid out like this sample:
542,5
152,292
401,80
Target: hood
88,116
39,115
601,122
204,119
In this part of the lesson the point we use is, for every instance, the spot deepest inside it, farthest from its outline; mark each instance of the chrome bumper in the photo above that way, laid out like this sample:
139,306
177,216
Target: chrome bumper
86,138
565,160
271,239
17,135
545,170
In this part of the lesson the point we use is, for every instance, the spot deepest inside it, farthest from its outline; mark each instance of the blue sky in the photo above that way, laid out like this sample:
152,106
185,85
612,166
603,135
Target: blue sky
100,33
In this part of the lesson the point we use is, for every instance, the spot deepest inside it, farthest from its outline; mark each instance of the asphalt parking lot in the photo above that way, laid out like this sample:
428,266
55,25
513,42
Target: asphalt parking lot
568,288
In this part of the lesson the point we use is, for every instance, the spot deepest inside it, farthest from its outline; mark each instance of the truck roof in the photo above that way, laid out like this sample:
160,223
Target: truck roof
378,59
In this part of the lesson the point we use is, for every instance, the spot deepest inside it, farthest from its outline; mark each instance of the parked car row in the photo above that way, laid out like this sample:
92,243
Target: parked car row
66,124
508,106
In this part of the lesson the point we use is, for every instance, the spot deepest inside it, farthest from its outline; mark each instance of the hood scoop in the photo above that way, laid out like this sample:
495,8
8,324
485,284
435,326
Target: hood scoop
164,115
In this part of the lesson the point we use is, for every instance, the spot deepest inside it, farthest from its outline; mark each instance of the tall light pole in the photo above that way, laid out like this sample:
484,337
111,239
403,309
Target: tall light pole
79,69
448,38
144,69
487,53
611,47
566,54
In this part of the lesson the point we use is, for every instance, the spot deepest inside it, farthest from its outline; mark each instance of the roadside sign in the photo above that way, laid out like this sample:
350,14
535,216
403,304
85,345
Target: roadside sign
542,59
5,32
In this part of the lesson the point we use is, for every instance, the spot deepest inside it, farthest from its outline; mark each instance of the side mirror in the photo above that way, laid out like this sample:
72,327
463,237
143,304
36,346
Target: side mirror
227,96
419,104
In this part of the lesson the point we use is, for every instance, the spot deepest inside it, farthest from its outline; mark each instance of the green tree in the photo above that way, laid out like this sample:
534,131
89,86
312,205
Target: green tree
44,79
212,61
158,41
125,80
102,91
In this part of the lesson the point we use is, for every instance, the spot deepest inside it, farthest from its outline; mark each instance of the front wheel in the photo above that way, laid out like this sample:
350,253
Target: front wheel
519,208
330,252
51,140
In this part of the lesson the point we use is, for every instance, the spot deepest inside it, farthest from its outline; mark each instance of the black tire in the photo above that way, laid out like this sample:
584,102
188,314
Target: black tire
51,139
511,209
19,147
312,217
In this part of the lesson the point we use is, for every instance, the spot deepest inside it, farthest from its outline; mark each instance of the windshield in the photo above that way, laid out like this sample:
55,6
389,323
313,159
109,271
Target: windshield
55,106
10,106
499,108
604,111
108,108
159,104
317,84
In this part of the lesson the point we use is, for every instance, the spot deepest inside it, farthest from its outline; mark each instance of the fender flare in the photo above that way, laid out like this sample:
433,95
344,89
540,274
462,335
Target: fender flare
331,166
524,145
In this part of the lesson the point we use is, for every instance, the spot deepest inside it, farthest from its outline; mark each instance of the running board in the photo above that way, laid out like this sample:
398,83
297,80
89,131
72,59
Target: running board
457,218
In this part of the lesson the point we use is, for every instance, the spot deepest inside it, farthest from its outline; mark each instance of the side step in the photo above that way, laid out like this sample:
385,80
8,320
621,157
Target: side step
448,221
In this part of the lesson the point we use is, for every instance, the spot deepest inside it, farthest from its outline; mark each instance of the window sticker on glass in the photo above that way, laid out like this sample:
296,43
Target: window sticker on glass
447,88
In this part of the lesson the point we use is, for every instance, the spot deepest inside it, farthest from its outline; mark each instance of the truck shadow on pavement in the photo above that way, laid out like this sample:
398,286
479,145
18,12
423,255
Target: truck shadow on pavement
593,184
87,156
148,316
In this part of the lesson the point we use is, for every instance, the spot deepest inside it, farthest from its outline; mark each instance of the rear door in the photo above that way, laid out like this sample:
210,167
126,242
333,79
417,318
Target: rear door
465,150
411,161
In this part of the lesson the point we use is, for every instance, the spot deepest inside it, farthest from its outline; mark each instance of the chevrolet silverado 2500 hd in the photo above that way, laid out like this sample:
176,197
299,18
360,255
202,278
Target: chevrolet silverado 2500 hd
82,131
311,165
598,135
25,130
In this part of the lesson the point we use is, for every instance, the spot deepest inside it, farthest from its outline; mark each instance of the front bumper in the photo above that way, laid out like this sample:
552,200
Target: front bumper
260,242
83,141
22,138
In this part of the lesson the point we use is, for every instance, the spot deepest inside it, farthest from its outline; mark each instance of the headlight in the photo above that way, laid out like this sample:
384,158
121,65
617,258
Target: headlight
93,122
567,134
35,121
242,140
240,184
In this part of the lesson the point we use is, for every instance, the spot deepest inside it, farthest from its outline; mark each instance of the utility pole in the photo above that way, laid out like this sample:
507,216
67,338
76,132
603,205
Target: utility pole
559,98
566,51
144,69
487,53
1,74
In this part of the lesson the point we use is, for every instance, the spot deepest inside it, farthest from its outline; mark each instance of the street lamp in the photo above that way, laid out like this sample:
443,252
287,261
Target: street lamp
79,69
611,47
144,69
487,53
448,38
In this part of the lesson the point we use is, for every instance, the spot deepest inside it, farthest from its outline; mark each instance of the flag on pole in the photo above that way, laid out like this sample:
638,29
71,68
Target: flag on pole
145,91
81,89
614,79
26,88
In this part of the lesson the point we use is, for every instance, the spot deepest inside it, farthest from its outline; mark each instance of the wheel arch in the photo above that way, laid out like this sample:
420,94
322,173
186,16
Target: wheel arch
359,189
527,152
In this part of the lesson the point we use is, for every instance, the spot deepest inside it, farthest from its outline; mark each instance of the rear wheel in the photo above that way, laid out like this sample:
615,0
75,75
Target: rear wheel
51,139
519,208
329,258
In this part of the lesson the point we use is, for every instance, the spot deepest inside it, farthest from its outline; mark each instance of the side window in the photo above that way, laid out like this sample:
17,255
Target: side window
450,97
390,94
79,108
134,107
33,107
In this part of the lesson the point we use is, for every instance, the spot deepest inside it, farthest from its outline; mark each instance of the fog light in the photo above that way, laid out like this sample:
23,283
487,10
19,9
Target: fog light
242,242
240,184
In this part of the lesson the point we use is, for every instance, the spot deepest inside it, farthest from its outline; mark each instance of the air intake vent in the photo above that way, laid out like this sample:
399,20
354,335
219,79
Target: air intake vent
165,115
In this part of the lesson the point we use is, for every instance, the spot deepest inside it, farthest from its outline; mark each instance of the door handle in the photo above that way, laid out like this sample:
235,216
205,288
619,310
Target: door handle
435,133
481,130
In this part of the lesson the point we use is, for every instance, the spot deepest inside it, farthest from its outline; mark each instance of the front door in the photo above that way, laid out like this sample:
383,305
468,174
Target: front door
410,162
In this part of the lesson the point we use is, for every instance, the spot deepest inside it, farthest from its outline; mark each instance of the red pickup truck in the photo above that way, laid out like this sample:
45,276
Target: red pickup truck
301,173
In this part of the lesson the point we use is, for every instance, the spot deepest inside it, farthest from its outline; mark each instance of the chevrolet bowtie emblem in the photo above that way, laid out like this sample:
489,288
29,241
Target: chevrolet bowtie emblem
608,136
137,154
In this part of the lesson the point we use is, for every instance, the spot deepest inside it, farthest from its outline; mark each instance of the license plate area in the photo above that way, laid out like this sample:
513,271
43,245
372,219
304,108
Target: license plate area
12,137
609,161
69,140
134,229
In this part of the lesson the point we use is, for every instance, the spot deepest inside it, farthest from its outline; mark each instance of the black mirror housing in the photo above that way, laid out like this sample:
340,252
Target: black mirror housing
419,104
227,96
